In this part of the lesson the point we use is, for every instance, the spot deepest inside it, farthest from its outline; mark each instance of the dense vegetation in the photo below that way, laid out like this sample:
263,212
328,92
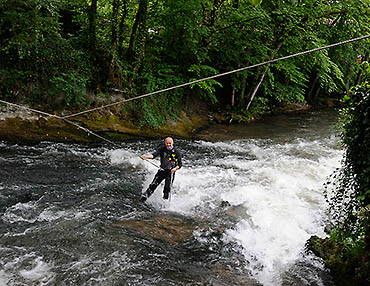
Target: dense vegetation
64,54
347,250
74,54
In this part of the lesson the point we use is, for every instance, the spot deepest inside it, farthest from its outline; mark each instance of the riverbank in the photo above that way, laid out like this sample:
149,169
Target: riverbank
23,126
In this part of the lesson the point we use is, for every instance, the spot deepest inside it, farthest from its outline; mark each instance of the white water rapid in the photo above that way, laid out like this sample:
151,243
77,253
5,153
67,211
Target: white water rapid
240,212
274,189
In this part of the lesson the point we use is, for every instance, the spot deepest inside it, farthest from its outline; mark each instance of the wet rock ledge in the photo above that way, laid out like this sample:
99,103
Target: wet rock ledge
26,127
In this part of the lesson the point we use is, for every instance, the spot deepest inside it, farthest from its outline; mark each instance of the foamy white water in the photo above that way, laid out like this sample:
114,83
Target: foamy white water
37,271
252,198
278,186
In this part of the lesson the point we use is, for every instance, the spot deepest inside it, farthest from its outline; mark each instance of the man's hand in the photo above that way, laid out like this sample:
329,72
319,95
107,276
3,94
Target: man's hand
173,170
146,156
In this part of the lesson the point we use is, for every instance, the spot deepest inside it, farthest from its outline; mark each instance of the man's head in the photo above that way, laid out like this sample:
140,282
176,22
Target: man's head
168,142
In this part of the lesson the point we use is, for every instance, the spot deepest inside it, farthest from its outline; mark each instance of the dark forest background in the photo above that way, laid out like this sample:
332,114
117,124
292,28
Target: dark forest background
77,54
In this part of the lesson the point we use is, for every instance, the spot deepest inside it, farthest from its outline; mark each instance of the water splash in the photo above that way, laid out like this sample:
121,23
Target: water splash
280,191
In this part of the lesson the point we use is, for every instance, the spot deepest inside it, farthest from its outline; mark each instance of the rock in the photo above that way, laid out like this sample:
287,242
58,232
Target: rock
347,266
27,128
161,226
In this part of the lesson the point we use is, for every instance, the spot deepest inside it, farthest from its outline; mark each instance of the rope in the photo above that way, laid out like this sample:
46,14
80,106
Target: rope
151,163
174,87
58,117
30,109
220,75
70,122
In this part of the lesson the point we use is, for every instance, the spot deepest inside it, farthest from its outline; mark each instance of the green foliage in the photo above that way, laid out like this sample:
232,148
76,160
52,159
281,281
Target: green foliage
329,74
54,67
155,110
352,180
348,192
72,86
258,107
23,24
37,63
346,255
290,84
208,87
49,48
12,82
356,138
256,2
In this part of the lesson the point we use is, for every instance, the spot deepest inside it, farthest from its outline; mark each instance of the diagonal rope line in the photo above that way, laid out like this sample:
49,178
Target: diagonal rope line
175,87
220,75
64,118
68,121
31,109
58,117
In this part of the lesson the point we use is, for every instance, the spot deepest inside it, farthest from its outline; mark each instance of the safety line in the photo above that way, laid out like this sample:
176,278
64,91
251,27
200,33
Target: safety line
172,88
58,117
70,122
30,109
219,75
101,137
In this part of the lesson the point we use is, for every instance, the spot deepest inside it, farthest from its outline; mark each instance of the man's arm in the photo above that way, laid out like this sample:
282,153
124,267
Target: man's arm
151,156
146,156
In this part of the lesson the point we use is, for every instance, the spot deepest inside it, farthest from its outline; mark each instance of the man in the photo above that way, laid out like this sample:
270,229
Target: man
170,164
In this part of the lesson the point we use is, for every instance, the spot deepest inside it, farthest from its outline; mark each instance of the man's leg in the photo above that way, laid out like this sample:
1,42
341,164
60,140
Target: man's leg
168,185
158,178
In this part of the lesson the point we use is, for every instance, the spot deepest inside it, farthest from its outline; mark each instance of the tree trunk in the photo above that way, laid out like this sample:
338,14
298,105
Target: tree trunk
309,95
138,30
216,6
121,28
242,92
263,76
233,97
317,93
92,26
257,86
111,76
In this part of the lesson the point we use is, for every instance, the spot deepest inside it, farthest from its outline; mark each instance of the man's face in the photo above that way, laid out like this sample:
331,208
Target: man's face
169,143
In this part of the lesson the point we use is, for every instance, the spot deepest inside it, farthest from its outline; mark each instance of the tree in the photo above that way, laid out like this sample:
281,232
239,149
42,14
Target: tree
141,46
92,26
346,251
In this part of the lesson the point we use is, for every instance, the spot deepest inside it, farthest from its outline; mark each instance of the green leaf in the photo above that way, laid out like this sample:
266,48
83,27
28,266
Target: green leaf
256,3
346,99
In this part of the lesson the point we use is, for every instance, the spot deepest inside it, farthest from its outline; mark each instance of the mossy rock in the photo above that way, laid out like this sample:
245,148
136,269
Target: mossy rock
42,129
162,227
346,267
109,126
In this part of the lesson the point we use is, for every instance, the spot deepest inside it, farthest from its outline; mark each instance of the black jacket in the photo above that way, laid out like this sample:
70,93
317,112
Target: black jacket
169,158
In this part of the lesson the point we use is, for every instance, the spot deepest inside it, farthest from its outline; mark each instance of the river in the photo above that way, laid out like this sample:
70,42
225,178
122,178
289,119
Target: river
242,208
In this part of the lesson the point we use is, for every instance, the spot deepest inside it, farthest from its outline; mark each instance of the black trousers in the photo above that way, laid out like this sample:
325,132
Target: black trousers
158,178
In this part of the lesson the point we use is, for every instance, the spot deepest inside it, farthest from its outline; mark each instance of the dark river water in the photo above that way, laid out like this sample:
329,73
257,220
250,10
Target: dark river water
242,208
